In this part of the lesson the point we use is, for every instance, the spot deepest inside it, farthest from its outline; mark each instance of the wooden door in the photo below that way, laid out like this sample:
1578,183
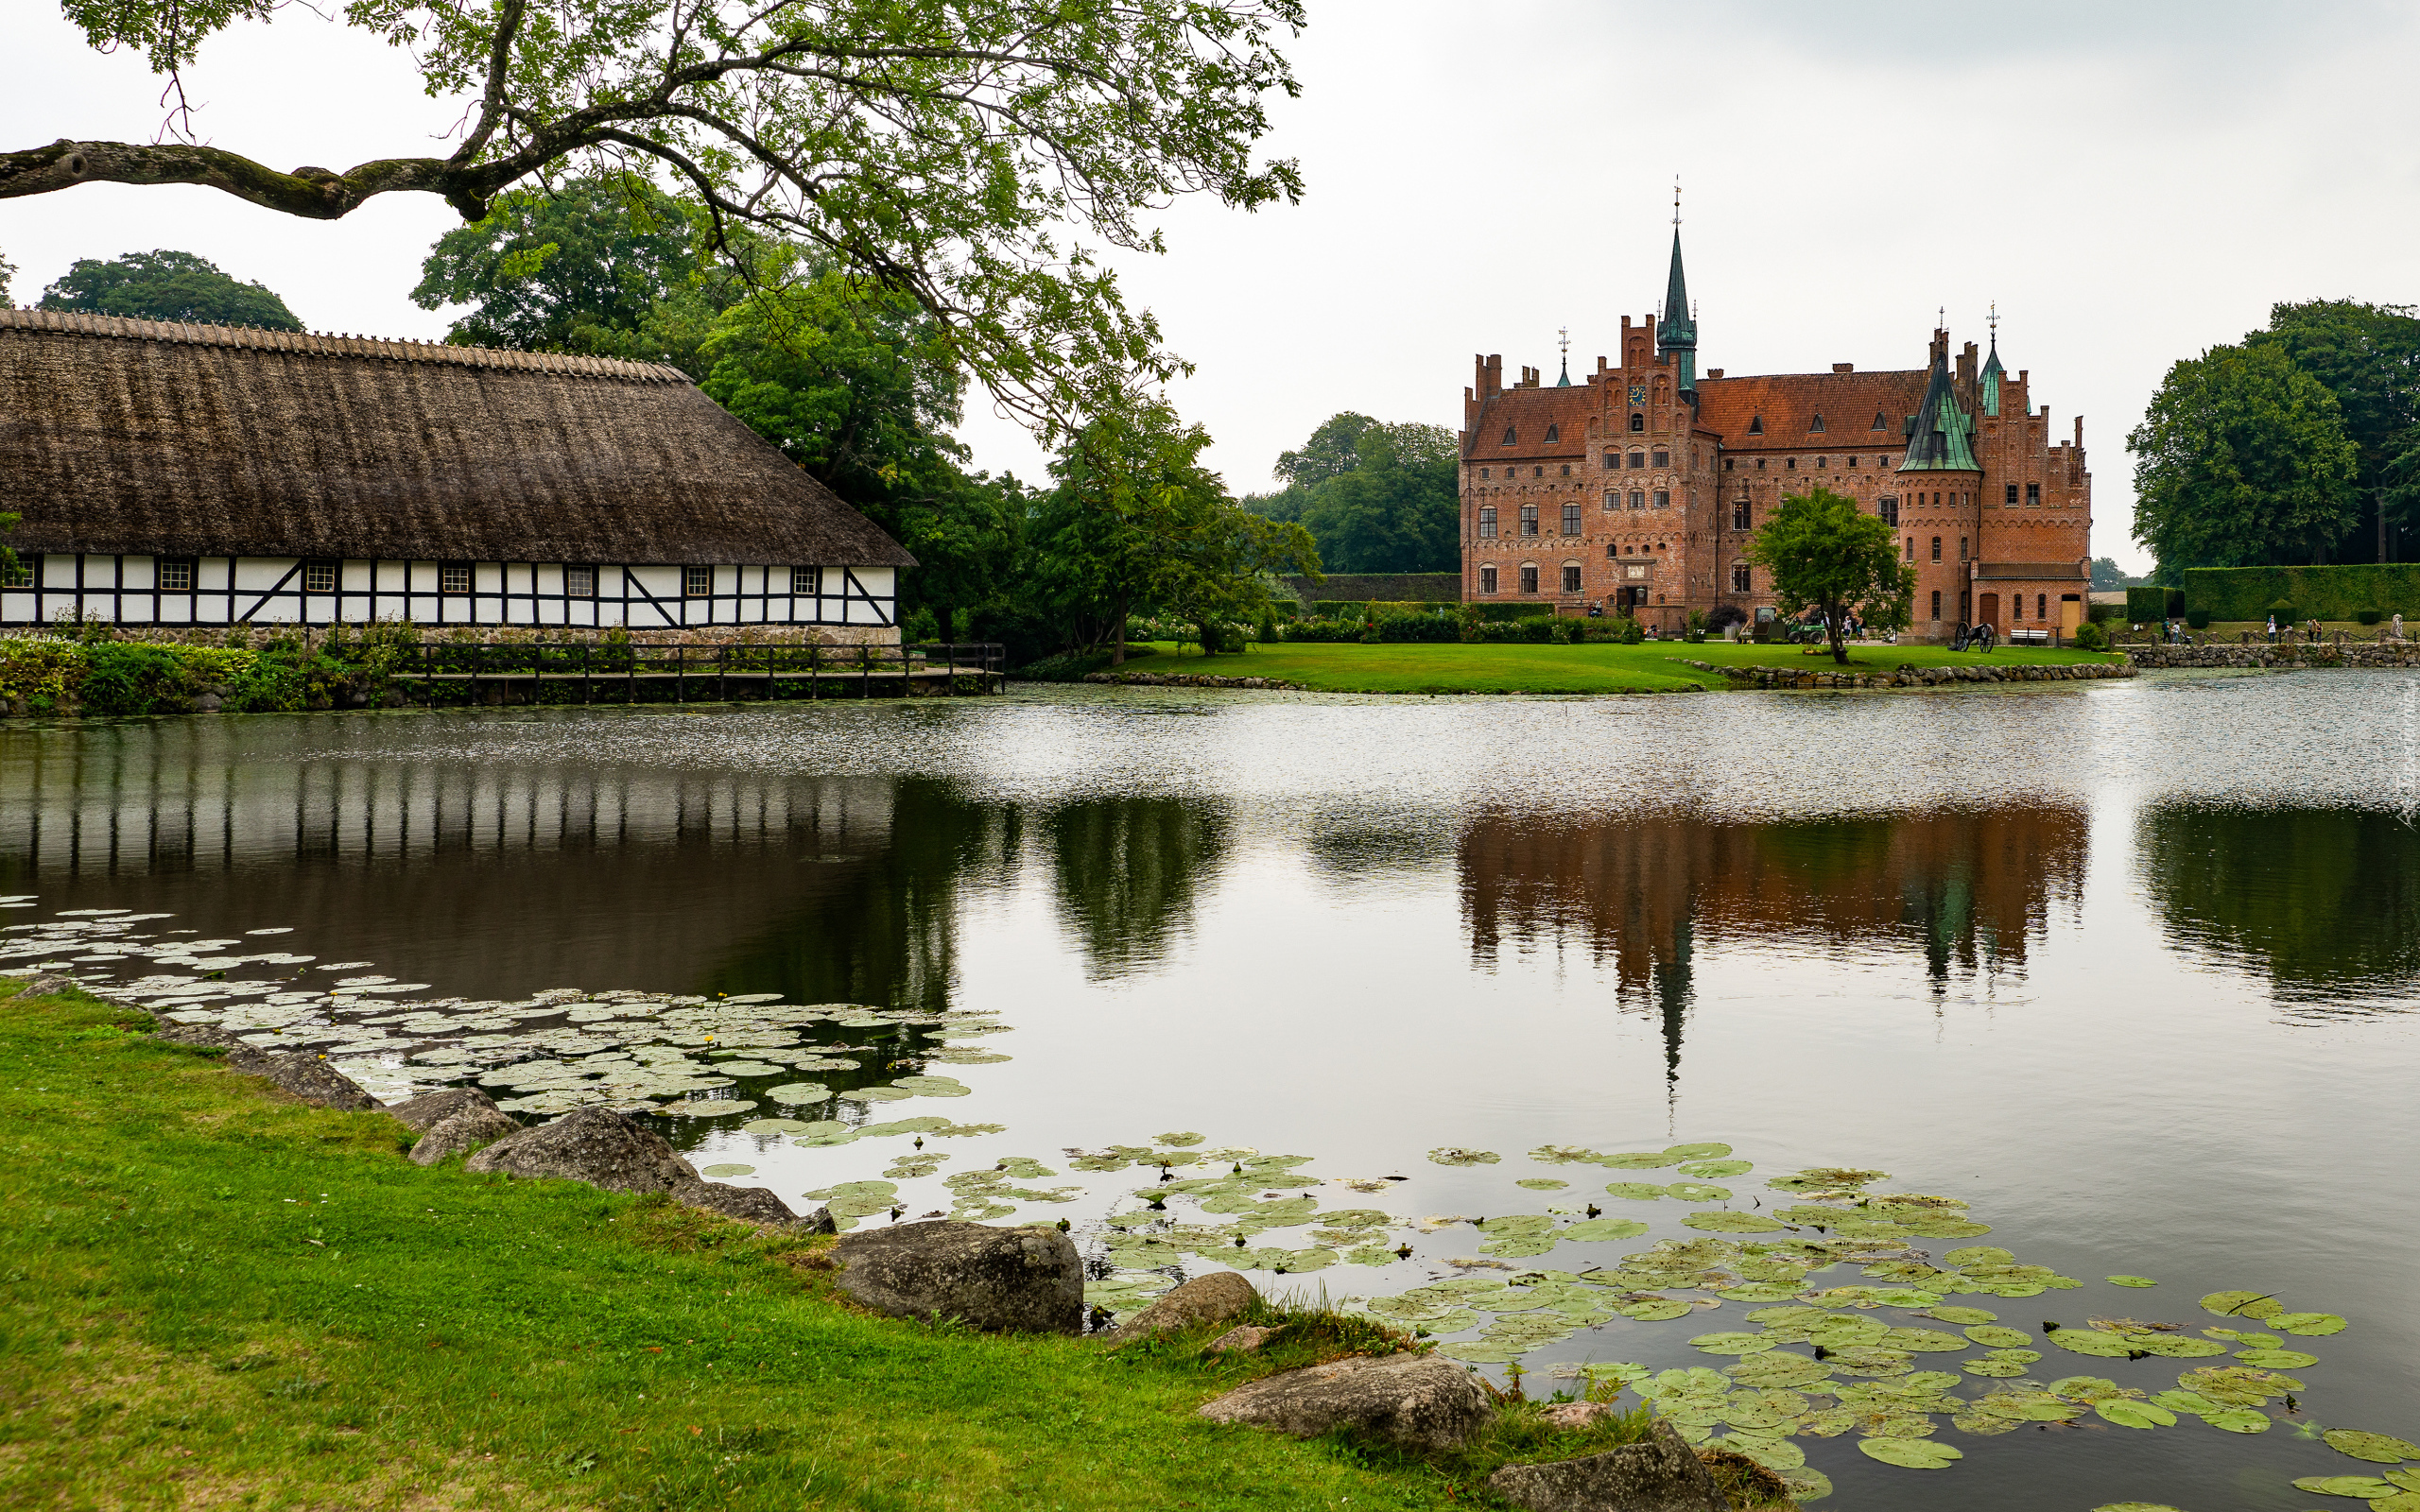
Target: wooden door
1988,610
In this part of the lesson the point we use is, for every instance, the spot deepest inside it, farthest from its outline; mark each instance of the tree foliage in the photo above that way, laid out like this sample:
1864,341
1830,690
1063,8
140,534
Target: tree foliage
167,285
1826,555
1376,498
971,155
2243,460
2368,357
7,272
2107,575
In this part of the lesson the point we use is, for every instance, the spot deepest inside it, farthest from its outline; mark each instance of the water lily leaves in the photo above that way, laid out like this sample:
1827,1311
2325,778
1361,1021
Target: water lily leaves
2092,1342
2367,1488
773,1125
2381,1449
1732,1343
1518,1246
1732,1222
1698,1191
923,1087
1697,1152
1979,1255
1604,1228
2238,1385
1454,1155
1912,1453
1181,1141
2277,1359
1715,1170
1777,1370
1658,1310
2176,1346
1636,1191
799,1092
1997,1339
1827,1178
2306,1324
1774,1453
2134,1414
2242,1304
2029,1406
1994,1369
1562,1154
2130,1280
2238,1420
1479,1351
1923,1341
1639,1160
1962,1314
1542,1183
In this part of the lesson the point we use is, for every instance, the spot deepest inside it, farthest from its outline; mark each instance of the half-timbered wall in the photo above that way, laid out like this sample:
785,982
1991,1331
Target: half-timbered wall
286,590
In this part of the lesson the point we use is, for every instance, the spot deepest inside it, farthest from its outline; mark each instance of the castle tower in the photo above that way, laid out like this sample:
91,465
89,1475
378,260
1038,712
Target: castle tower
1941,513
1677,332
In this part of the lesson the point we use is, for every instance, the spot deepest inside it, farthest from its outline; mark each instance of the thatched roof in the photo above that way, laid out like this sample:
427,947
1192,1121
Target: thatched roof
145,436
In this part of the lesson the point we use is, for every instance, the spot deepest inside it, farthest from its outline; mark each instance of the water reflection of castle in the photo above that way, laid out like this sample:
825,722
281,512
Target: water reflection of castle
1963,890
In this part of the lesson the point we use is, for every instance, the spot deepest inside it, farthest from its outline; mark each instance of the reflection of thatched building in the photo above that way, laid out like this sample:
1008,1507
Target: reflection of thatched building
1959,888
199,476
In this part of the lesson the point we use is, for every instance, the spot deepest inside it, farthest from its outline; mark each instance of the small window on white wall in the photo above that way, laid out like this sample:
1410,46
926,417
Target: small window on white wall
454,577
320,577
175,575
579,582
697,582
19,573
806,580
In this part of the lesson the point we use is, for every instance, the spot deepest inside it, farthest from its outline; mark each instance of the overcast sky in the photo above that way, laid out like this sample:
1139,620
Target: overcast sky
2130,183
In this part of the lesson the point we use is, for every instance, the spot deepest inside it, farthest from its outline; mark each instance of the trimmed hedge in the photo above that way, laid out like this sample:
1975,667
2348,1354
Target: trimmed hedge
2144,605
2323,592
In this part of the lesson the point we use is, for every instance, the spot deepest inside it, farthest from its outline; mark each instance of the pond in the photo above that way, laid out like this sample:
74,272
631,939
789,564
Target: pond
2124,973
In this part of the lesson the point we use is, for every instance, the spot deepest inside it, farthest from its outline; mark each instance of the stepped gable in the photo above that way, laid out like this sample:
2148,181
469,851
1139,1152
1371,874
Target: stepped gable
1530,412
1790,402
169,439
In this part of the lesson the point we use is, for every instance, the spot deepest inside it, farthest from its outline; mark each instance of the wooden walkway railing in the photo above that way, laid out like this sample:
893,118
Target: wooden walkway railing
935,669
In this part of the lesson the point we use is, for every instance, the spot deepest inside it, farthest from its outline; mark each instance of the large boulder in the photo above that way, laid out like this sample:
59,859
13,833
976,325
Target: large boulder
473,1128
1662,1474
591,1144
204,1037
1418,1401
310,1077
44,983
430,1110
1027,1281
1213,1298
748,1204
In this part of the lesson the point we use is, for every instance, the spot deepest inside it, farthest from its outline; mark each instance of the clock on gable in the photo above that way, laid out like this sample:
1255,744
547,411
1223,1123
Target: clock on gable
1638,393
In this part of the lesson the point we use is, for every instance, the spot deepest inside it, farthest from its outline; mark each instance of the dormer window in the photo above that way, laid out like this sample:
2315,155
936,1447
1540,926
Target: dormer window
1877,421
1816,429
1756,426
1508,434
1554,434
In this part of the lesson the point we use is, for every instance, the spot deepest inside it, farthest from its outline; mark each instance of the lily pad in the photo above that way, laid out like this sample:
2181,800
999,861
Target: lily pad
1541,1183
2130,1280
1732,1343
2277,1359
1636,1191
720,1171
1991,1369
1732,1222
2238,1420
2134,1414
2366,1488
1454,1155
1662,1309
2380,1448
799,1092
1997,1338
1640,1160
1716,1170
1697,1152
1698,1191
2242,1304
1479,1351
1777,1369
1962,1314
1185,1140
2306,1324
876,1094
1603,1229
2092,1342
1912,1453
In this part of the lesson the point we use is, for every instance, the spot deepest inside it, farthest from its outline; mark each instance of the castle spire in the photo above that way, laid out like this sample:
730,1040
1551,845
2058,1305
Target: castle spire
1939,433
1992,369
1564,339
1678,331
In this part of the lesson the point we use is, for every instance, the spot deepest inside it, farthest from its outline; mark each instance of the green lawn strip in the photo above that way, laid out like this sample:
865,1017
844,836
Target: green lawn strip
213,1293
1521,667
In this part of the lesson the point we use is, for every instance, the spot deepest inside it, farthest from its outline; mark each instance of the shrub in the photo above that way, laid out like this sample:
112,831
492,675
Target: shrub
43,676
1722,616
1322,631
130,677
1267,629
1631,634
2328,592
2198,618
2284,610
2091,637
1392,625
2368,616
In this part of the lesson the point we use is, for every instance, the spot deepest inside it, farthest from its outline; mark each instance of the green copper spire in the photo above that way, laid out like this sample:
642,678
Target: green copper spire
1938,440
1992,369
1678,331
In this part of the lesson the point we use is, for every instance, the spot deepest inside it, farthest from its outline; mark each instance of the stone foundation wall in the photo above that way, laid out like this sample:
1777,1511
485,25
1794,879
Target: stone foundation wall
1912,676
2261,654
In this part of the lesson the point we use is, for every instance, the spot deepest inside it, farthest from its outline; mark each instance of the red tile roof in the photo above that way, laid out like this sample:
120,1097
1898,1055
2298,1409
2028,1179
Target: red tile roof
1528,412
1788,404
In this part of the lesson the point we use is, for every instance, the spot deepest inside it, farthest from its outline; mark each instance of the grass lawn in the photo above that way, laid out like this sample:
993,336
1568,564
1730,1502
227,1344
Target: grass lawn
1649,667
215,1296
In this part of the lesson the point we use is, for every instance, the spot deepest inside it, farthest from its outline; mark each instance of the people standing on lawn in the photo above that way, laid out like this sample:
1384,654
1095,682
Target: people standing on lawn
2398,625
2273,628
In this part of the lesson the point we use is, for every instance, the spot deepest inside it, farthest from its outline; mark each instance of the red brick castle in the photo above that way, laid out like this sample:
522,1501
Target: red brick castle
1638,489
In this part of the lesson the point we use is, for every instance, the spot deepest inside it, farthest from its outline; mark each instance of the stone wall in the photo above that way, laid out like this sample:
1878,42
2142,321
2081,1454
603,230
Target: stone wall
520,634
1914,677
2261,654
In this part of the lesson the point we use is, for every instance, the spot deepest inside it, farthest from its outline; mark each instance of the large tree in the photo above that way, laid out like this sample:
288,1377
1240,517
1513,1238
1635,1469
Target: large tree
2368,357
968,154
1377,498
1824,553
2243,460
167,285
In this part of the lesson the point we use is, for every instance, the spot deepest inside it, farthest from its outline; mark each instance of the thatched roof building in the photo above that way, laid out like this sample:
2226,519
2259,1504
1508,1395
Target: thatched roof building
150,459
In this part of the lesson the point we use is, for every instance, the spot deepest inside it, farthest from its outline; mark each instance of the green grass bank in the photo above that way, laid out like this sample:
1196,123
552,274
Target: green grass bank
1517,667
216,1296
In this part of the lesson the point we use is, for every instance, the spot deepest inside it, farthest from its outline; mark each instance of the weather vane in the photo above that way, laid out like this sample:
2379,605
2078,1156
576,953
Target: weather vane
1995,321
1563,336
1676,201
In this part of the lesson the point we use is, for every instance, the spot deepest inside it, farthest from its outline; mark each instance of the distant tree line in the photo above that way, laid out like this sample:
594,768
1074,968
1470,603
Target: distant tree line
1376,498
2299,445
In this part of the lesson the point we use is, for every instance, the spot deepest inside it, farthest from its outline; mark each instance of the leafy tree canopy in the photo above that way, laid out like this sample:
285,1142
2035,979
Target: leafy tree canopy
2368,355
2243,460
609,266
165,286
1826,555
8,271
2107,575
1377,498
971,155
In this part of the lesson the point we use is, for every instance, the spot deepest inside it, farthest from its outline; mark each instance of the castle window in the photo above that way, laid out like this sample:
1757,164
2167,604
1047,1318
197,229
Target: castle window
1613,499
1508,434
1790,463
1936,556
1729,462
1820,462
1878,423
1537,472
1962,548
1889,508
1554,432
1611,551
1663,498
1638,421
1638,498
1487,579
1738,514
1911,548
1936,603
1571,519
1638,458
2012,496
1487,522
1816,429
1567,470
1570,579
2034,495
175,575
1612,460
1852,464
1756,426
1739,578
1482,471
1528,580
1663,458
1529,519
1760,464
580,582
2041,606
